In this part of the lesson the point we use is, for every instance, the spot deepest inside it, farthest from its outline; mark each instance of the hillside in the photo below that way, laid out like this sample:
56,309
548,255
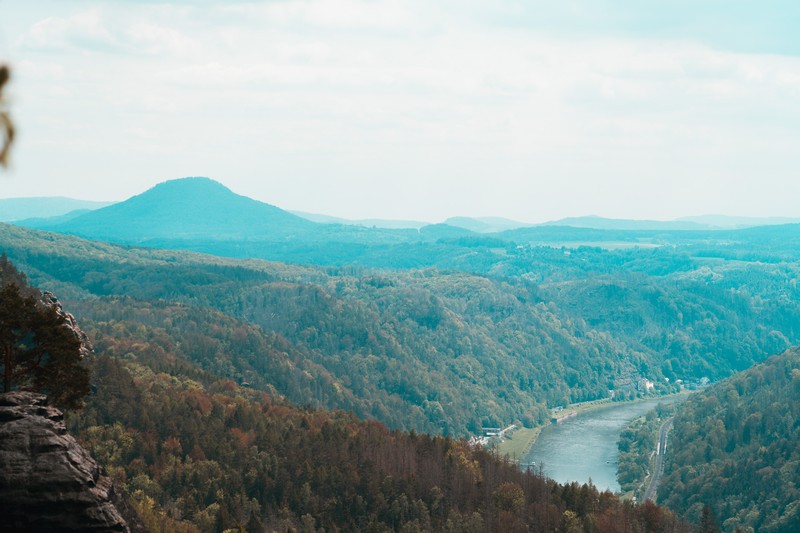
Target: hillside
187,209
733,222
596,222
367,222
190,451
195,453
736,448
432,350
485,224
202,215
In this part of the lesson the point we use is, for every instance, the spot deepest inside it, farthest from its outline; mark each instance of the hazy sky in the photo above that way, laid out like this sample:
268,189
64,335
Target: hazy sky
415,109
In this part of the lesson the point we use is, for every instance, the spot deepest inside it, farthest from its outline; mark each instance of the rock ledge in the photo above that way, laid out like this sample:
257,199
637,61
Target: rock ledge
48,482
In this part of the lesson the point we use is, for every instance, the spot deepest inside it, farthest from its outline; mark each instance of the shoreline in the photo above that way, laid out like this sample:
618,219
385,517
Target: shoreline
522,440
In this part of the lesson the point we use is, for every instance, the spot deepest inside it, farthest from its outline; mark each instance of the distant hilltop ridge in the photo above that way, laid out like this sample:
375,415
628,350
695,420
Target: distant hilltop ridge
13,209
186,208
177,203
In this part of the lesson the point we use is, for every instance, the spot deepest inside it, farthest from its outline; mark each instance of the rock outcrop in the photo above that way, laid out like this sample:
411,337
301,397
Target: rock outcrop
49,299
48,482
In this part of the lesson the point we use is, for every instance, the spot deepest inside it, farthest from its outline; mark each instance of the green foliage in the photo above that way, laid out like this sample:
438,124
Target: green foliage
437,350
637,444
736,448
432,351
38,349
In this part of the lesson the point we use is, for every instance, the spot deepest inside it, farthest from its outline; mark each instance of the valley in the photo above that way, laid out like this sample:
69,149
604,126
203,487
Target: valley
438,331
380,266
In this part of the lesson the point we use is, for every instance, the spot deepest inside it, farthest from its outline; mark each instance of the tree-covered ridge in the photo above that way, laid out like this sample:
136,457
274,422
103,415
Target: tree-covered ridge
202,454
736,447
425,350
441,350
237,226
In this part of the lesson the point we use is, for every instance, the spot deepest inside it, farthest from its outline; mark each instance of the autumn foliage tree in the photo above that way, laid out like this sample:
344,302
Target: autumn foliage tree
41,348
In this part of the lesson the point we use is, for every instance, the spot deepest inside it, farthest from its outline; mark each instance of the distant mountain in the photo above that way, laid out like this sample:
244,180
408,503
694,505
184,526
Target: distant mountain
485,224
473,224
595,222
732,222
444,231
13,209
45,222
188,208
203,215
365,222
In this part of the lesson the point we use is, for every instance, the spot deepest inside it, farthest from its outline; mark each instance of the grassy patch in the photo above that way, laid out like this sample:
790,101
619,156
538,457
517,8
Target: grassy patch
517,443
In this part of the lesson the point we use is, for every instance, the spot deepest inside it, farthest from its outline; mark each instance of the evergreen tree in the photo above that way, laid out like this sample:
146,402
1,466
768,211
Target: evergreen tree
41,349
708,523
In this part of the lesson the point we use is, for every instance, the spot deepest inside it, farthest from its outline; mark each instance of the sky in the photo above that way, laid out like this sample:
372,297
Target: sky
413,109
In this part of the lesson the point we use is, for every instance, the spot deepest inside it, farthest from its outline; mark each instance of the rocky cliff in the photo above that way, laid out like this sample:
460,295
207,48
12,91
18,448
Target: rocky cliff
48,482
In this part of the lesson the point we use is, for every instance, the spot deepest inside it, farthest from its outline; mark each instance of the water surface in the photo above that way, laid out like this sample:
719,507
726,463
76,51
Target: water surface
585,446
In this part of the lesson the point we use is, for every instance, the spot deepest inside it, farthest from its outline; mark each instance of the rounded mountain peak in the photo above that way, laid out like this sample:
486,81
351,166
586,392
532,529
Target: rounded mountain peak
187,208
191,182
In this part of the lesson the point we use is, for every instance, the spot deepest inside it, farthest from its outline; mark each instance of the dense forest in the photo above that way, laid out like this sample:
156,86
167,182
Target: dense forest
203,360
435,350
736,448
199,453
194,452
637,446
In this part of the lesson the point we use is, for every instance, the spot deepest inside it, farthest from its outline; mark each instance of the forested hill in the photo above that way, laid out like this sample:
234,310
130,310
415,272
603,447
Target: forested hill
425,350
736,447
203,215
200,212
186,208
431,350
196,453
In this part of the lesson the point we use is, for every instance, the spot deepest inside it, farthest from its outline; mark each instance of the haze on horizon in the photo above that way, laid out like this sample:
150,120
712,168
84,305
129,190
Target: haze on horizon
412,109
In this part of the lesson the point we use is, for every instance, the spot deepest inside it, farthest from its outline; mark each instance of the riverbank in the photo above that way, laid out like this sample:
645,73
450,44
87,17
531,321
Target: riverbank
583,407
516,446
518,443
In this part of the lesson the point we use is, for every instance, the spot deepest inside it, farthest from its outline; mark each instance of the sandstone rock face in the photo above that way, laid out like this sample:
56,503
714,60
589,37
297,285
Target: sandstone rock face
48,482
50,300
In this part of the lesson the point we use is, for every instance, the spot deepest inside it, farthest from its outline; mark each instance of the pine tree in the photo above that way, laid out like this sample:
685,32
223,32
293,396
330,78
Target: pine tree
708,523
41,349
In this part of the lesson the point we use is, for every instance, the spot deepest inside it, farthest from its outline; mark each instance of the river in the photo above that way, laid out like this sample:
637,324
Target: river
585,446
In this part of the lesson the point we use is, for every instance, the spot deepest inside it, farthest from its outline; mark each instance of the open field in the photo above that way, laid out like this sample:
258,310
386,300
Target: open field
517,443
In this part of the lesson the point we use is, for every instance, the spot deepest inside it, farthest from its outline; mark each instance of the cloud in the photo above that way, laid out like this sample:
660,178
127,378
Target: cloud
329,14
83,30
100,30
369,94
